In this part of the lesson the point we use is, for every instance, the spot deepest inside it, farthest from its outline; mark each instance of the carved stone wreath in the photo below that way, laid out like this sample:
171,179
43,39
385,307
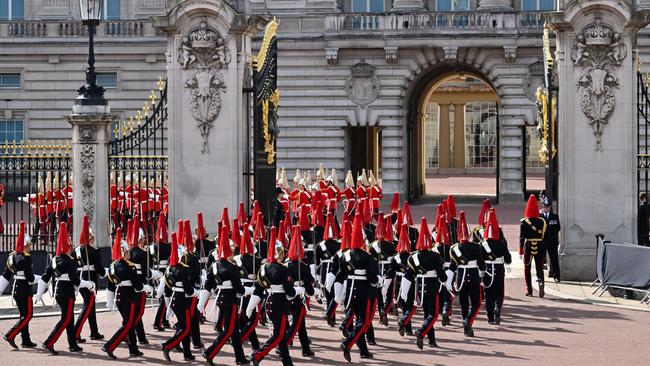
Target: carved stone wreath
87,155
204,53
87,134
598,50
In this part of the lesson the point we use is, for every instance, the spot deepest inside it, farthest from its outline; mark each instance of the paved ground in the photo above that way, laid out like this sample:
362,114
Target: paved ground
473,184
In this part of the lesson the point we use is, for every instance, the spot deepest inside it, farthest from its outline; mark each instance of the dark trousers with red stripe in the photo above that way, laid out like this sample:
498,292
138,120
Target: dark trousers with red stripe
277,314
87,313
495,293
181,307
370,331
66,323
297,326
26,312
331,305
195,322
230,331
361,307
469,297
160,321
430,310
128,310
141,301
247,325
445,301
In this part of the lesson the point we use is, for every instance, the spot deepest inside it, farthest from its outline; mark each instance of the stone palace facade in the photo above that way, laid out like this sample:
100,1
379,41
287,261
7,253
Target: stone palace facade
409,88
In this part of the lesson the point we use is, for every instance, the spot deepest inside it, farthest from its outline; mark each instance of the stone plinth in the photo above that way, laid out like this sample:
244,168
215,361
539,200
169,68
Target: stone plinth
596,137
90,138
208,51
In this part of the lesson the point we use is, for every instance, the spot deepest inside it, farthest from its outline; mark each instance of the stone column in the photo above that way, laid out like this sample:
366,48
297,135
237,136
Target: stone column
596,137
444,160
495,5
90,185
407,5
459,136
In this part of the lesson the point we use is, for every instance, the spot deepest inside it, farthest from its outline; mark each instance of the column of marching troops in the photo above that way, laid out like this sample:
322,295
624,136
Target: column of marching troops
373,264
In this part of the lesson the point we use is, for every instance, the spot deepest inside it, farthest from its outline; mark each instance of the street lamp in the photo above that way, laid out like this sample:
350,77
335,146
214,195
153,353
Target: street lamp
91,93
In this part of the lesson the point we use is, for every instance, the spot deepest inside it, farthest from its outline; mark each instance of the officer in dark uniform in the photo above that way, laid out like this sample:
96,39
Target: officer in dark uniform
90,266
359,268
531,247
183,301
346,232
551,240
399,264
142,260
382,250
249,264
124,285
278,209
444,243
160,252
496,255
203,245
224,277
425,269
468,261
19,266
324,256
64,271
274,278
302,278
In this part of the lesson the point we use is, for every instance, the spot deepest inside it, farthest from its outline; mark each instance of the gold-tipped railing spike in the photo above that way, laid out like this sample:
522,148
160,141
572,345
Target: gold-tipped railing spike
145,109
138,117
160,83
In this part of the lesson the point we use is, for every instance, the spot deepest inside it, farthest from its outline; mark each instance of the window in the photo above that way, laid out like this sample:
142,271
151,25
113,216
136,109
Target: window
452,5
10,81
107,79
11,130
535,5
431,130
480,134
12,9
367,6
533,145
111,9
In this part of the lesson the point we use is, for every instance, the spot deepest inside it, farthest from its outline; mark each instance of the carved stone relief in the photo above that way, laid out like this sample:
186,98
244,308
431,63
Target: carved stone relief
204,53
362,87
87,156
598,50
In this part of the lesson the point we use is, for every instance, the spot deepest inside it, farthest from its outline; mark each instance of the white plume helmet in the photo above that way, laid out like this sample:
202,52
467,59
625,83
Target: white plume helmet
335,179
285,182
320,174
308,178
298,177
349,181
371,178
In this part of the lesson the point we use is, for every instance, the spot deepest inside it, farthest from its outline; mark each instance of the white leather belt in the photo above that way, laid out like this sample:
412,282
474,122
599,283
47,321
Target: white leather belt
203,260
357,277
360,272
429,274
159,266
163,263
384,262
20,273
470,264
326,261
496,261
19,277
297,283
276,289
447,264
64,277
226,285
126,283
177,289
138,266
247,280
401,274
86,268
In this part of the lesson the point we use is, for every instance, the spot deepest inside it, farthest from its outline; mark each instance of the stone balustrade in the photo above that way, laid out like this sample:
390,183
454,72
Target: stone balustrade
358,22
75,29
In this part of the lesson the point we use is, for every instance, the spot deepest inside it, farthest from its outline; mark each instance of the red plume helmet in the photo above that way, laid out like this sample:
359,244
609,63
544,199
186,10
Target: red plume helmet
189,240
173,256
485,207
296,245
492,229
408,217
200,229
404,242
235,235
394,203
256,210
270,257
388,224
246,246
225,219
442,231
439,212
260,233
224,244
379,229
331,232
424,239
20,240
116,254
84,236
161,231
180,233
63,242
241,214
367,214
356,239
451,207
532,207
129,232
345,235
463,231
282,234
135,232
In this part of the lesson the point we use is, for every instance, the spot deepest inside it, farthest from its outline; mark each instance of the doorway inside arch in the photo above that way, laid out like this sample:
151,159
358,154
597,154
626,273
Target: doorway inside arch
459,123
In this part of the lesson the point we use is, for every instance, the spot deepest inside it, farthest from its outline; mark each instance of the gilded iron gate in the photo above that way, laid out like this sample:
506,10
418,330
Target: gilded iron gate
643,120
138,164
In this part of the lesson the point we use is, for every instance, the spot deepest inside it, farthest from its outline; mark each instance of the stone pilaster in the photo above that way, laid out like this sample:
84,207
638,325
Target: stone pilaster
90,138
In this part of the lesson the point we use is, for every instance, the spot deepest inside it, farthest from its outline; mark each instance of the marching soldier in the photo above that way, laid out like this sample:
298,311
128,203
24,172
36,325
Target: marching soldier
249,263
160,252
302,278
496,254
467,259
124,285
443,241
399,265
64,271
531,247
478,230
139,255
19,266
382,250
89,267
360,270
274,278
452,220
425,268
192,260
374,194
203,245
224,276
183,301
324,254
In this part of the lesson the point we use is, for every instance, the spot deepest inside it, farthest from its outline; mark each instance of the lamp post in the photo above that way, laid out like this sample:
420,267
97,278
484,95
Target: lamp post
91,94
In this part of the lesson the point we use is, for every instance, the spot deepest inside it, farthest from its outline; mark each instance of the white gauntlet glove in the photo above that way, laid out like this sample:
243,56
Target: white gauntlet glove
252,305
3,284
155,275
339,293
249,290
170,312
42,287
86,284
110,300
147,289
160,290
329,281
300,291
204,277
36,279
385,286
203,299
450,279
404,288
